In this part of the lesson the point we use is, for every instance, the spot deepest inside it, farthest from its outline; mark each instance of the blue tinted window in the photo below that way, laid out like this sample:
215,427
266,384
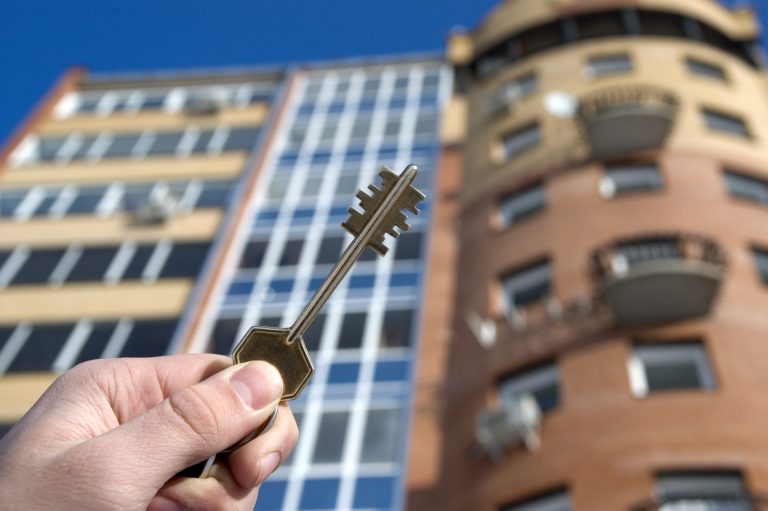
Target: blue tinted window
303,215
321,157
344,372
271,495
319,494
288,158
391,371
361,281
267,216
282,285
404,279
240,288
374,492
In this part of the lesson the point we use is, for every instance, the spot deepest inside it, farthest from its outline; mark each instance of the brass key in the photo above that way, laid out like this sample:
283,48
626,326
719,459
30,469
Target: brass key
284,348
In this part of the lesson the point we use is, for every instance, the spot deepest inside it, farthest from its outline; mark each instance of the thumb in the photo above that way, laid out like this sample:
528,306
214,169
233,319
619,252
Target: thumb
196,422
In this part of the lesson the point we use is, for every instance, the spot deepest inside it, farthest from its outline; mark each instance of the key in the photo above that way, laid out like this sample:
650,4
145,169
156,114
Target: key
284,348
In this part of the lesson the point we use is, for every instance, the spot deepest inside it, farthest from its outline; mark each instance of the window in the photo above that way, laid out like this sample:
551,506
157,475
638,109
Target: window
408,246
521,205
626,179
291,252
224,335
329,444
519,140
352,329
149,338
319,494
527,285
381,438
92,264
669,366
38,266
651,249
609,65
747,187
707,69
41,348
375,493
559,501
314,333
165,143
540,38
726,123
185,260
242,139
603,24
96,342
722,490
396,329
215,194
761,259
330,249
661,24
543,383
253,255
138,262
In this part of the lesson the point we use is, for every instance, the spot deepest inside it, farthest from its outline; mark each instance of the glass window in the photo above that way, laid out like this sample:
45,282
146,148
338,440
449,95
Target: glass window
165,143
291,252
381,441
661,24
203,139
242,139
761,259
343,372
603,24
224,335
136,195
121,146
49,147
314,333
185,260
329,444
408,246
699,490
271,495
396,329
215,194
41,348
253,255
559,501
49,198
624,179
669,366
138,262
520,140
149,338
38,266
96,342
527,285
650,249
391,371
375,493
701,68
352,328
319,494
747,187
521,205
9,201
92,264
540,38
330,250
609,65
542,383
719,121
88,198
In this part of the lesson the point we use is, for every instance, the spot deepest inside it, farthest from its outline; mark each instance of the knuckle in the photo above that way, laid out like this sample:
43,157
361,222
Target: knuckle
196,414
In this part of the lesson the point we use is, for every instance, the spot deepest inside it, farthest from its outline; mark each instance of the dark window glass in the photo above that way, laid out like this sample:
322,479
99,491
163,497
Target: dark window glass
558,501
92,264
540,39
241,139
352,328
391,370
253,255
88,104
49,146
330,250
408,246
271,494
521,205
708,69
747,187
165,143
381,438
520,140
610,65
527,285
86,201
314,333
719,121
343,372
215,194
330,437
149,338
761,259
396,329
122,145
41,348
716,491
185,260
319,494
44,206
661,24
138,262
651,249
9,201
672,366
274,321
201,144
291,252
83,148
224,335
375,493
4,255
136,195
38,266
96,342
5,334
630,179
604,24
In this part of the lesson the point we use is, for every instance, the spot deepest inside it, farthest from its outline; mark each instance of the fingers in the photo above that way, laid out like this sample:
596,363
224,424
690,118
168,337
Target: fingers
196,422
256,460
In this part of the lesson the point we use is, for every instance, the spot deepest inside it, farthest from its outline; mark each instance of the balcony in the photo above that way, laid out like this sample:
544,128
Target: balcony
659,278
626,119
706,503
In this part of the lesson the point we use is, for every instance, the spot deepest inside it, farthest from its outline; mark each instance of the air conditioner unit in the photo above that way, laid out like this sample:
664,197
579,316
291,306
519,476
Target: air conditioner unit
158,209
204,106
513,424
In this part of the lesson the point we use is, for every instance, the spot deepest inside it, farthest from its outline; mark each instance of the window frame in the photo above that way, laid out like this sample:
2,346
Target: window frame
533,191
525,271
609,188
718,115
522,132
591,68
695,65
658,354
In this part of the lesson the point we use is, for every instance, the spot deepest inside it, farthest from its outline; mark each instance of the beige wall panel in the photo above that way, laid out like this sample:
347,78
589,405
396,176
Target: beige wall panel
129,123
197,225
97,301
18,392
224,166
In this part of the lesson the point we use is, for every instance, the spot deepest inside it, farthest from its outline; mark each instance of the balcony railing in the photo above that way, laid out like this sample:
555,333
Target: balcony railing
626,119
658,278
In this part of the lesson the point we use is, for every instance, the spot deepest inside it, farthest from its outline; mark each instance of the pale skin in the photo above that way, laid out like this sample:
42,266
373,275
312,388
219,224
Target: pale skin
111,434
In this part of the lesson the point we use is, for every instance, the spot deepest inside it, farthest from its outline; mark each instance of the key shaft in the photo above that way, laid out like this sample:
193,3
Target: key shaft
352,253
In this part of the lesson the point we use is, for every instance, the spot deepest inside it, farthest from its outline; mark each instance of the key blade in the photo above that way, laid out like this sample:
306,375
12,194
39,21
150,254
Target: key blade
395,221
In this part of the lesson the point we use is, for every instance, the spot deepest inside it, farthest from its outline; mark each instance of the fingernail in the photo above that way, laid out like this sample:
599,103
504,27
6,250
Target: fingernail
268,465
258,384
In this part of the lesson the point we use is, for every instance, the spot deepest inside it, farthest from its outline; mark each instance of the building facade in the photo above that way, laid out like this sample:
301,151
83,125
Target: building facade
609,332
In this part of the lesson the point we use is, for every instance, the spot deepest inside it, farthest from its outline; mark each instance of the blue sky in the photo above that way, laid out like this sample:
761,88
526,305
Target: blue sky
39,39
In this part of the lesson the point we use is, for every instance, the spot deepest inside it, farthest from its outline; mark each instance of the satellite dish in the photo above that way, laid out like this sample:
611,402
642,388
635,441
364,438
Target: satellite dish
560,104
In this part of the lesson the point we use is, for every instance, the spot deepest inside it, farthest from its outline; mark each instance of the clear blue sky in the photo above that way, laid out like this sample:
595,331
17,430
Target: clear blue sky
39,39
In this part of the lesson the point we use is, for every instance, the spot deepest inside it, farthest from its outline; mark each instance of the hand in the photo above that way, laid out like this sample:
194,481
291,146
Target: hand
111,434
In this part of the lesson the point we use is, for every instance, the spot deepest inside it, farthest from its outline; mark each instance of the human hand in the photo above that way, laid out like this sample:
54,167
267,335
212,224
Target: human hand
111,434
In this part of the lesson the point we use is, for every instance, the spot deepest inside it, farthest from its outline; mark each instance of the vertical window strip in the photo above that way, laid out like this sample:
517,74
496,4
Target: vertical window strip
157,261
66,263
118,339
120,262
72,346
13,264
13,345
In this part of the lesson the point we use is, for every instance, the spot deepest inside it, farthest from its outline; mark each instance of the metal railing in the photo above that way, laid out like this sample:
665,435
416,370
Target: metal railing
607,99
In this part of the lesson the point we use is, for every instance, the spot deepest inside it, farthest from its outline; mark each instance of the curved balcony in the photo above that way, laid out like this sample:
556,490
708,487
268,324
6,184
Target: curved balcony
626,119
658,278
